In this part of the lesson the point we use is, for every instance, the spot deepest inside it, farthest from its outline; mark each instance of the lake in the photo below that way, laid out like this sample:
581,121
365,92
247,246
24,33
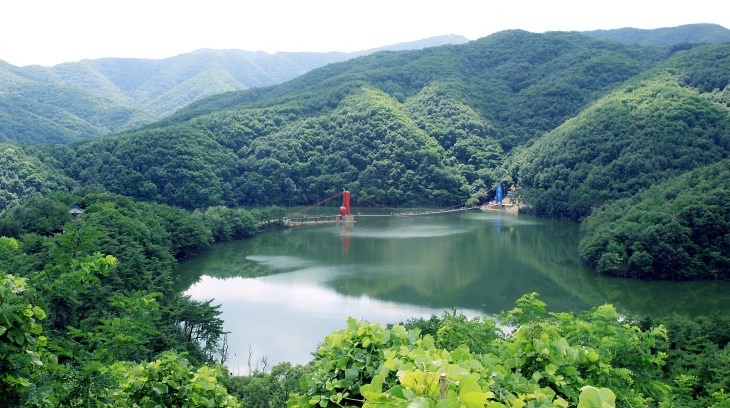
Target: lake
282,292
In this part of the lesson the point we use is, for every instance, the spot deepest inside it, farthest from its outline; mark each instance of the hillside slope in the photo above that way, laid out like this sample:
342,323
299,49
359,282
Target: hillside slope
526,84
668,121
37,109
679,229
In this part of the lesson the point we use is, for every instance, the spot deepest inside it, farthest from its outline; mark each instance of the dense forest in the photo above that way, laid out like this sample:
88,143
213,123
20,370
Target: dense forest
632,141
72,312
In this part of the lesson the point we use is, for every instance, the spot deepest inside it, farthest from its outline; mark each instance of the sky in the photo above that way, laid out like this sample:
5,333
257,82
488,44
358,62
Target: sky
48,32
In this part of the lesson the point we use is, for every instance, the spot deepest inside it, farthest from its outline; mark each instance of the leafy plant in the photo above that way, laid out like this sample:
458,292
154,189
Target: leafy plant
169,381
21,342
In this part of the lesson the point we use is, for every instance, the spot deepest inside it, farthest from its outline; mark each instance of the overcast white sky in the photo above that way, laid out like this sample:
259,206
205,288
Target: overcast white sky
49,32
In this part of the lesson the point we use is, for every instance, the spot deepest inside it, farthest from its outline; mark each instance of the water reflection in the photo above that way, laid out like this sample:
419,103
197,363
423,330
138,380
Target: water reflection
282,288
284,317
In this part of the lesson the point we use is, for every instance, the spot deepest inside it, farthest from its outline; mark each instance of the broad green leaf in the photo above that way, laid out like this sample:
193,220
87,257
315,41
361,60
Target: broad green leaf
39,312
451,401
352,373
421,402
456,372
159,388
591,397
475,399
469,384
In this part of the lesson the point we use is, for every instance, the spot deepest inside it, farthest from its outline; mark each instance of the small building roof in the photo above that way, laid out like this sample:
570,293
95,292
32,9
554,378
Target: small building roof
76,210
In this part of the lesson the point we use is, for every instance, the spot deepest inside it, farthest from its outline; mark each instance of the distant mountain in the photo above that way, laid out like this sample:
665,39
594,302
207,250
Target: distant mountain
450,39
684,34
83,100
35,107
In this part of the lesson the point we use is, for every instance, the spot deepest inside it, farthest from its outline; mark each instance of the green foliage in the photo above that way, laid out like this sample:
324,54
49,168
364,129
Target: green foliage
38,107
455,330
104,308
21,342
179,166
426,133
169,381
124,329
591,397
529,309
199,324
351,358
550,359
652,131
697,358
82,100
22,174
678,229
539,110
648,159
267,389
228,224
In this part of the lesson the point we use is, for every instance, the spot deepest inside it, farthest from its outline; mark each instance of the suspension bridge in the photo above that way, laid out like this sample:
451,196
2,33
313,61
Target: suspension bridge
345,215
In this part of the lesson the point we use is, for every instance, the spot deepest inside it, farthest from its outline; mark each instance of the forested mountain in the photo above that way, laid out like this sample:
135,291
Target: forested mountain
684,34
664,123
83,100
37,109
525,83
645,135
421,127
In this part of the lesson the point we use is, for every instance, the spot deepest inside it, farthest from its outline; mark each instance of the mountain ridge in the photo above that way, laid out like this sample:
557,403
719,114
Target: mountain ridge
144,90
121,94
684,34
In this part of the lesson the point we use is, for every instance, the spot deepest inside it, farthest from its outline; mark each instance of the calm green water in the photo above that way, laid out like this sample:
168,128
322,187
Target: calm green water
282,292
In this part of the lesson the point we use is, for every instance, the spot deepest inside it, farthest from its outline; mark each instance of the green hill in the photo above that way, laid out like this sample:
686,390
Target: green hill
526,84
669,121
425,127
679,229
684,34
36,108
